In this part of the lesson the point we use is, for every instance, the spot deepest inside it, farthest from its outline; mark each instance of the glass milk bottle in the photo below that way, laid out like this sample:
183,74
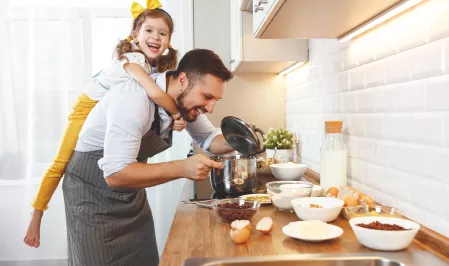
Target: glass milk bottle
334,157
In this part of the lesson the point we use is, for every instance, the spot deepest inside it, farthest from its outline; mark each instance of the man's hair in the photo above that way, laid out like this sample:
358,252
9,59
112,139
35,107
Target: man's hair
199,62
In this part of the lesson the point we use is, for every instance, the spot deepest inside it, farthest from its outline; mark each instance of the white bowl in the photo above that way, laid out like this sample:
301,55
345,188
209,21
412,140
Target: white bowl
288,171
329,212
381,239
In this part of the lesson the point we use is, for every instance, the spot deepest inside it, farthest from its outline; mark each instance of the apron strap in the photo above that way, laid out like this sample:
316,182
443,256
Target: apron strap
156,125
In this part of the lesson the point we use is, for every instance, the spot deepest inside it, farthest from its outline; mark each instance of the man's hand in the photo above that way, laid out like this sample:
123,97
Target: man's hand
198,167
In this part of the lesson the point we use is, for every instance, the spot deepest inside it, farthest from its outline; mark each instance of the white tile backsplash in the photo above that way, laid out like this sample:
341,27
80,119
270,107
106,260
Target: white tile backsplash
446,59
357,77
349,102
410,37
357,125
366,149
386,98
343,81
397,184
438,93
391,89
446,130
410,158
421,125
397,126
356,170
375,125
386,152
375,177
365,101
427,60
412,96
436,25
349,59
398,67
436,162
375,74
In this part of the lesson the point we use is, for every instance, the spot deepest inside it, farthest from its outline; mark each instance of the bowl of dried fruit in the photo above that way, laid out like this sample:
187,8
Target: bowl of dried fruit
317,208
384,233
229,210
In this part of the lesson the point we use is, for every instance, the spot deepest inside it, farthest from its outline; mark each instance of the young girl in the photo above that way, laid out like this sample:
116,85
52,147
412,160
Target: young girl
137,56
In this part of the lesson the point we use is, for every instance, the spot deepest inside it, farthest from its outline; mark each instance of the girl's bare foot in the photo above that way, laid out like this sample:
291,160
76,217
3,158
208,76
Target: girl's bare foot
32,236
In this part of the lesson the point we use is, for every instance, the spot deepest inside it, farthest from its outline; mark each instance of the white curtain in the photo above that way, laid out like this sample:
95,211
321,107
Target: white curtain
49,49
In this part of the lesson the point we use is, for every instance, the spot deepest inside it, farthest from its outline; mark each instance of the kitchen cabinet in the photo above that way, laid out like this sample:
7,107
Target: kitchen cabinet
211,27
251,55
307,19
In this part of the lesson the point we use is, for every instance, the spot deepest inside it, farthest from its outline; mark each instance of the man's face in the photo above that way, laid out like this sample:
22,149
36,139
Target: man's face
200,97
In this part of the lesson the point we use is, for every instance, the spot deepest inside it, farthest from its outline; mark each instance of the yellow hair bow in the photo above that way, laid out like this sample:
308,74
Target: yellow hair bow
137,9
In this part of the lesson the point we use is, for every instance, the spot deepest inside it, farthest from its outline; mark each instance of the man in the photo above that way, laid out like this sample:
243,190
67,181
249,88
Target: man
109,221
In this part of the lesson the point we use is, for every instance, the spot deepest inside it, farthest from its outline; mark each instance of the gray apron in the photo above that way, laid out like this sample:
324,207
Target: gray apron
108,226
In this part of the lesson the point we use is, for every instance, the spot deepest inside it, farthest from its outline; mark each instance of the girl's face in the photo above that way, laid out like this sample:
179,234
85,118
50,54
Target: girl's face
153,37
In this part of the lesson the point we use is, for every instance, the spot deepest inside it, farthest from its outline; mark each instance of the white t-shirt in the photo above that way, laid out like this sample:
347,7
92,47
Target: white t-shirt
113,75
125,114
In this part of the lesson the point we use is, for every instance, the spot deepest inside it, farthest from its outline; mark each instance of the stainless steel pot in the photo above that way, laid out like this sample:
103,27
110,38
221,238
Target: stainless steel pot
237,176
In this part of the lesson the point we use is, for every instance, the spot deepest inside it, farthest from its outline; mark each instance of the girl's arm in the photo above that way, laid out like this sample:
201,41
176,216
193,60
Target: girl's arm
153,91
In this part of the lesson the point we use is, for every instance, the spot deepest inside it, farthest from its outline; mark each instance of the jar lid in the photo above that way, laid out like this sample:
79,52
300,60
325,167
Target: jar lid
334,126
241,136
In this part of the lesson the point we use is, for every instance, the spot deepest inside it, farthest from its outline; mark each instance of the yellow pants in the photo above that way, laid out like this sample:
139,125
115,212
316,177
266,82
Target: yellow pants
54,173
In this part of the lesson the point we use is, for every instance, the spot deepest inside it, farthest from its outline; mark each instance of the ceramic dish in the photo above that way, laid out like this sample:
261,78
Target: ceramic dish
326,210
381,239
295,229
288,171
267,198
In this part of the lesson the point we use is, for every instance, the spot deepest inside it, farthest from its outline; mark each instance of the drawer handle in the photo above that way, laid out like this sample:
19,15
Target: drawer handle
259,7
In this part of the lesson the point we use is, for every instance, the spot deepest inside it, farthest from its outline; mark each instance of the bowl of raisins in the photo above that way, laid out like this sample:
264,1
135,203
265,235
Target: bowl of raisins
229,210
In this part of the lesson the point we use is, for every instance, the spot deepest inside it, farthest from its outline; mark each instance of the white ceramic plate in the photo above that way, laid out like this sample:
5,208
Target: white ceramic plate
245,197
292,230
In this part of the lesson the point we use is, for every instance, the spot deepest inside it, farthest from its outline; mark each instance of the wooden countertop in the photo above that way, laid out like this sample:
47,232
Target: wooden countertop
197,232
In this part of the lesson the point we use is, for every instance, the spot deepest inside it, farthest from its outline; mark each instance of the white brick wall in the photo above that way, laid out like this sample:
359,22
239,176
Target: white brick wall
391,89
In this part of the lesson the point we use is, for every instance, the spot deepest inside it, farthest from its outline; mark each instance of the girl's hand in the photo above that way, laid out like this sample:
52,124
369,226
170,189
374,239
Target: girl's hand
179,124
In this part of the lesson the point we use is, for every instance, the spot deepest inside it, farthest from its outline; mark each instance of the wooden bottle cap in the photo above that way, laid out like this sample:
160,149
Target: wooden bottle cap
333,126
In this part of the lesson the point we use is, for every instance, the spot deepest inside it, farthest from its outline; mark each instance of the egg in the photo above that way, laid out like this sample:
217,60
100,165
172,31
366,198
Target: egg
240,236
369,201
239,224
265,225
350,201
353,190
333,191
361,196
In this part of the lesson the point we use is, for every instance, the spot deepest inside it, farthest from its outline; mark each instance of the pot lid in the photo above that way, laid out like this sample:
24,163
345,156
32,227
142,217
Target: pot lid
241,136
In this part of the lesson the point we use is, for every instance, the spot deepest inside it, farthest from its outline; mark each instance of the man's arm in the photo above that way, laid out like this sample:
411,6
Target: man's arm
140,175
219,145
208,137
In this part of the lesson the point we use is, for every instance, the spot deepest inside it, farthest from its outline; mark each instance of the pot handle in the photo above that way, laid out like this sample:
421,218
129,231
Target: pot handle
260,131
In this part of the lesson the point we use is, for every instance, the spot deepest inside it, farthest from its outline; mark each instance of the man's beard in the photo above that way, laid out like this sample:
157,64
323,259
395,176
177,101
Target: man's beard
182,108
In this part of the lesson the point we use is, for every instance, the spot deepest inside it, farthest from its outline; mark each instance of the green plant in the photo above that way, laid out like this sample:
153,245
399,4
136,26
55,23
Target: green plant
280,138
